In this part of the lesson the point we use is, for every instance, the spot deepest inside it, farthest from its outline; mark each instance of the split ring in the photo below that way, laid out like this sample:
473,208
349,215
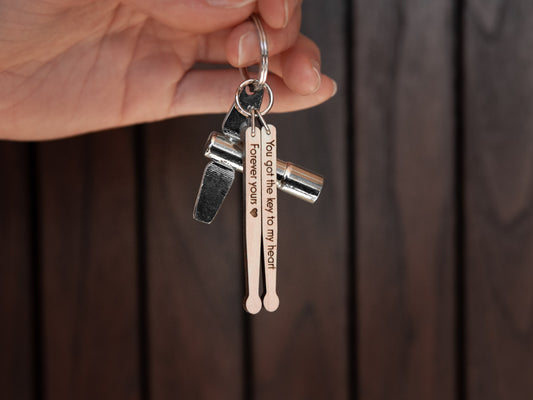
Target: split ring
263,46
254,82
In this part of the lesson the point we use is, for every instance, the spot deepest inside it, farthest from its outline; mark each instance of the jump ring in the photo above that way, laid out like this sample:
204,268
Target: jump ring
263,122
263,46
247,113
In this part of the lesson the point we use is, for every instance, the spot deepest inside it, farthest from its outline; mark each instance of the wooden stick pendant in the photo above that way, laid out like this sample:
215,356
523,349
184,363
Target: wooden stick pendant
252,217
269,214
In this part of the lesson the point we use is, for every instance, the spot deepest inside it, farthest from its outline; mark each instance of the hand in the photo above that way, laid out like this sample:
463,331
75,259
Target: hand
72,66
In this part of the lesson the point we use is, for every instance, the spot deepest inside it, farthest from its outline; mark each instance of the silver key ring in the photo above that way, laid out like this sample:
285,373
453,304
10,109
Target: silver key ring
253,83
263,46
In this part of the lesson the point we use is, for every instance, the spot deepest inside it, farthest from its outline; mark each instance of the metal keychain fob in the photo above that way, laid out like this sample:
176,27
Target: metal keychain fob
225,151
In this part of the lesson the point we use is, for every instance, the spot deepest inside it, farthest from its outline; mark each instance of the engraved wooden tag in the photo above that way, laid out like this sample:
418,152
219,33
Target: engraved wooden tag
270,214
252,217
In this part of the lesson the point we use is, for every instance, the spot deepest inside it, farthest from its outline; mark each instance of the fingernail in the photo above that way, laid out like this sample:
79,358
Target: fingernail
318,78
247,45
334,88
286,8
229,3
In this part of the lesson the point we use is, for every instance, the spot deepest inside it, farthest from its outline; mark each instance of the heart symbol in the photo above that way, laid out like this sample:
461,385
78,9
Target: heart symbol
254,212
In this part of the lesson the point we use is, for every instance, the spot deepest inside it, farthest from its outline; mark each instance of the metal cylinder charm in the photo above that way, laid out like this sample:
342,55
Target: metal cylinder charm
291,178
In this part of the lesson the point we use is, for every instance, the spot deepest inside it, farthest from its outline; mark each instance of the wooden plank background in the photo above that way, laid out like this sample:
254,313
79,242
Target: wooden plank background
88,267
17,335
499,167
405,194
409,279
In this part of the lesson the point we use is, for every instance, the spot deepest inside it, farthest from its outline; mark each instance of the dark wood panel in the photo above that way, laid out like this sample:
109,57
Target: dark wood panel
405,196
89,268
194,271
16,308
301,351
499,195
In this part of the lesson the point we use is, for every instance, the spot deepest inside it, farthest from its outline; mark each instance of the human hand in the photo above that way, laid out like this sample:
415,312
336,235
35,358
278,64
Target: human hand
73,66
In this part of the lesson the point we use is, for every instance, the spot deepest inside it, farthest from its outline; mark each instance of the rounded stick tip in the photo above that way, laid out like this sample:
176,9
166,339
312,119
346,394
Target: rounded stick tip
271,302
253,305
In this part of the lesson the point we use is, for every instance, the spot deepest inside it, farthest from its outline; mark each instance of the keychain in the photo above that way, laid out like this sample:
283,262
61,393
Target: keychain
248,144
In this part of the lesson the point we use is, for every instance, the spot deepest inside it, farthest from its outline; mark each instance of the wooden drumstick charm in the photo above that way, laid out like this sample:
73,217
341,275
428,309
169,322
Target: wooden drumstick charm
252,216
270,214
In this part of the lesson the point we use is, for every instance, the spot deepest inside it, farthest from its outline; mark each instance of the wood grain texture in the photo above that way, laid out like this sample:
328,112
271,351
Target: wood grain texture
499,198
89,268
301,350
16,308
195,271
405,194
253,216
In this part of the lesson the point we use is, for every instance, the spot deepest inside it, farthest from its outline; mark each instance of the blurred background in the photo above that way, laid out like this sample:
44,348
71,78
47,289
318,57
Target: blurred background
411,278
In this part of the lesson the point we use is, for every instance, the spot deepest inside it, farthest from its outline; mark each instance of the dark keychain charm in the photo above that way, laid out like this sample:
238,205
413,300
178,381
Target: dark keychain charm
219,174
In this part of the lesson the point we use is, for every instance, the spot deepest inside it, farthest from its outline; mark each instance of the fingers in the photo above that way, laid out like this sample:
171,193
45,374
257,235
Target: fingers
205,16
196,16
299,66
209,91
242,46
286,100
293,57
278,13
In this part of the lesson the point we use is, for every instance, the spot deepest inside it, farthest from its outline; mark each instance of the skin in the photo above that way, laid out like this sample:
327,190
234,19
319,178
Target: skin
74,66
